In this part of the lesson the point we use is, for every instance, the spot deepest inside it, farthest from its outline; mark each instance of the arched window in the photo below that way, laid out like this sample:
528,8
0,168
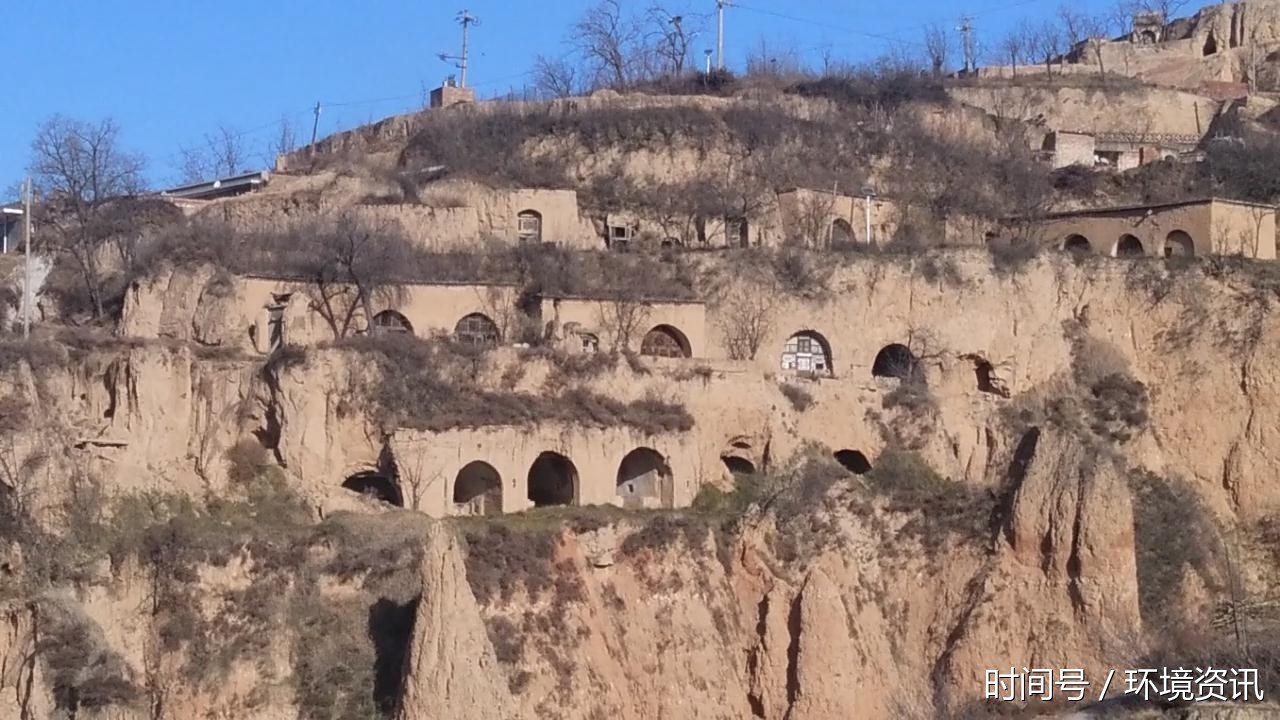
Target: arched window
478,490
1129,246
665,341
807,351
477,329
1179,244
553,480
1077,244
896,361
842,233
853,461
529,226
644,479
738,465
390,321
376,486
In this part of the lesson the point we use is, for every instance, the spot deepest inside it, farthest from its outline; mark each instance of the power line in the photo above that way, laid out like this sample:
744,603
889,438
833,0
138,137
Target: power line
827,25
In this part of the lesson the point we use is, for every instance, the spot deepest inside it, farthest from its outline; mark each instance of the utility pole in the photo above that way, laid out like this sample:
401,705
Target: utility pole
465,19
966,32
315,125
720,6
27,296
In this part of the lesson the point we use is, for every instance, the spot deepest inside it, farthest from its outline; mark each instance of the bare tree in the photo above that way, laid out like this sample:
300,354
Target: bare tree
555,77
220,154
1073,23
1164,9
671,36
749,317
1013,46
937,45
79,167
282,143
345,265
1045,43
609,42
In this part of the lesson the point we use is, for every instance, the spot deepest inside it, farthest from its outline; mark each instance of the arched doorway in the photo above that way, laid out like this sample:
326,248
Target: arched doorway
842,233
1077,244
1129,246
896,361
665,341
376,486
477,329
1179,244
390,321
644,480
853,461
738,465
529,227
477,490
807,351
553,480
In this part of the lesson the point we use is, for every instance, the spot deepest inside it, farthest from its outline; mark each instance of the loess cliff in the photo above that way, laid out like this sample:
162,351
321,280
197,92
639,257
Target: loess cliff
1081,474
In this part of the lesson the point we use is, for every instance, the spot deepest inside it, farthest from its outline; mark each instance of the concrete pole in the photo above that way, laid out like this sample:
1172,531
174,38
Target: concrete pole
866,211
27,296
720,34
466,22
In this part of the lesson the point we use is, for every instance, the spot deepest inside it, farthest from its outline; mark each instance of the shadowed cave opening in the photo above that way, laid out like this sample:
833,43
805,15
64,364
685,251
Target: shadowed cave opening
376,486
553,480
853,461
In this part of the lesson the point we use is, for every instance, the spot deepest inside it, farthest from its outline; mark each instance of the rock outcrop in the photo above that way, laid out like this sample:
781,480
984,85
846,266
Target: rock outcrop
450,659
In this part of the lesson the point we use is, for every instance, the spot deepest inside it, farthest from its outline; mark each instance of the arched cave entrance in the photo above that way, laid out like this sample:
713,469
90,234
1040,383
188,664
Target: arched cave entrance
375,485
1077,244
1129,246
644,479
842,233
896,361
1179,244
390,321
738,465
477,490
853,461
477,329
665,341
807,351
553,480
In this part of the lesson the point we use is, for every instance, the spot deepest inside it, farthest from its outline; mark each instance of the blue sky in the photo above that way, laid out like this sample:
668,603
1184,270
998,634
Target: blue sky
171,71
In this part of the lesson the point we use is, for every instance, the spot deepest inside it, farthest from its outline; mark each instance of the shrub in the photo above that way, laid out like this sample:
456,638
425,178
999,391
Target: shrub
424,384
246,460
799,398
1173,532
85,673
941,507
1008,258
